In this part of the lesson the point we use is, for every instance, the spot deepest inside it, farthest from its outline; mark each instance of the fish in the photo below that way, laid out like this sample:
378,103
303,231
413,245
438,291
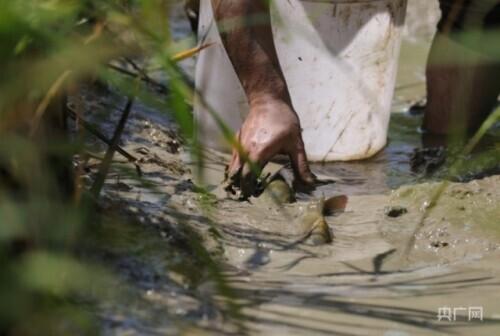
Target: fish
277,192
311,216
313,222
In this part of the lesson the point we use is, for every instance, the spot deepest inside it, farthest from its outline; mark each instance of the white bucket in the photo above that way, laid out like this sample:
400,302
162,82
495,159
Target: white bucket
339,58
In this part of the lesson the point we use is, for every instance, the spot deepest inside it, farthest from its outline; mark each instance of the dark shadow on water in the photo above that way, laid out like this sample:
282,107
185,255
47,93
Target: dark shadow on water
326,302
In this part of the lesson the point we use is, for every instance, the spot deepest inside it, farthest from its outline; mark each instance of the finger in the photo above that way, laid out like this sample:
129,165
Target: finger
300,165
248,182
235,164
249,176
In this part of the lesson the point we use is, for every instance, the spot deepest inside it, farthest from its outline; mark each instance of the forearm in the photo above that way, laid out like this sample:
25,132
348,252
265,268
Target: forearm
245,27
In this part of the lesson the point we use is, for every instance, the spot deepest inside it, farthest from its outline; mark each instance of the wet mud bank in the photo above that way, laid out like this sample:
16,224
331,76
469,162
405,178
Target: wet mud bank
380,274
398,254
373,278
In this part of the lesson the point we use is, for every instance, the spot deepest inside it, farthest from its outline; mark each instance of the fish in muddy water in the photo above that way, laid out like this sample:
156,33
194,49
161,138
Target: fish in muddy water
310,217
278,192
313,222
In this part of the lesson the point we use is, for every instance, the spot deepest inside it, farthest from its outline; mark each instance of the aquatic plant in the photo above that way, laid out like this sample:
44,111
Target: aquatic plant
50,49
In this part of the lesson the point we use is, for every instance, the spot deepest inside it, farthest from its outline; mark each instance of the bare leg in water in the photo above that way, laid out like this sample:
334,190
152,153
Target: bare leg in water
272,126
462,84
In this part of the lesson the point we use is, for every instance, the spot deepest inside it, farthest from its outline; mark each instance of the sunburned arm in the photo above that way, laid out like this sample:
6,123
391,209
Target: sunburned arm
272,127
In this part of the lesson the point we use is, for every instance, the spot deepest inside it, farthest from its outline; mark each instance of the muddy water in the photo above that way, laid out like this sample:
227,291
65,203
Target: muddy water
367,281
395,259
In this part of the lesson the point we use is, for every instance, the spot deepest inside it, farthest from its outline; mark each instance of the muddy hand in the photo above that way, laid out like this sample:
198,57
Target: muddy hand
271,128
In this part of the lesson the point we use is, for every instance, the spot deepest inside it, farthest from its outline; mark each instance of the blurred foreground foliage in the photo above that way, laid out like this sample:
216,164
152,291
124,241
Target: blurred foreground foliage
48,49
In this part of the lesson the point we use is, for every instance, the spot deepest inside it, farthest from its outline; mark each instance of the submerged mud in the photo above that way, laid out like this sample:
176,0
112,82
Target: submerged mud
369,280
366,281
398,253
